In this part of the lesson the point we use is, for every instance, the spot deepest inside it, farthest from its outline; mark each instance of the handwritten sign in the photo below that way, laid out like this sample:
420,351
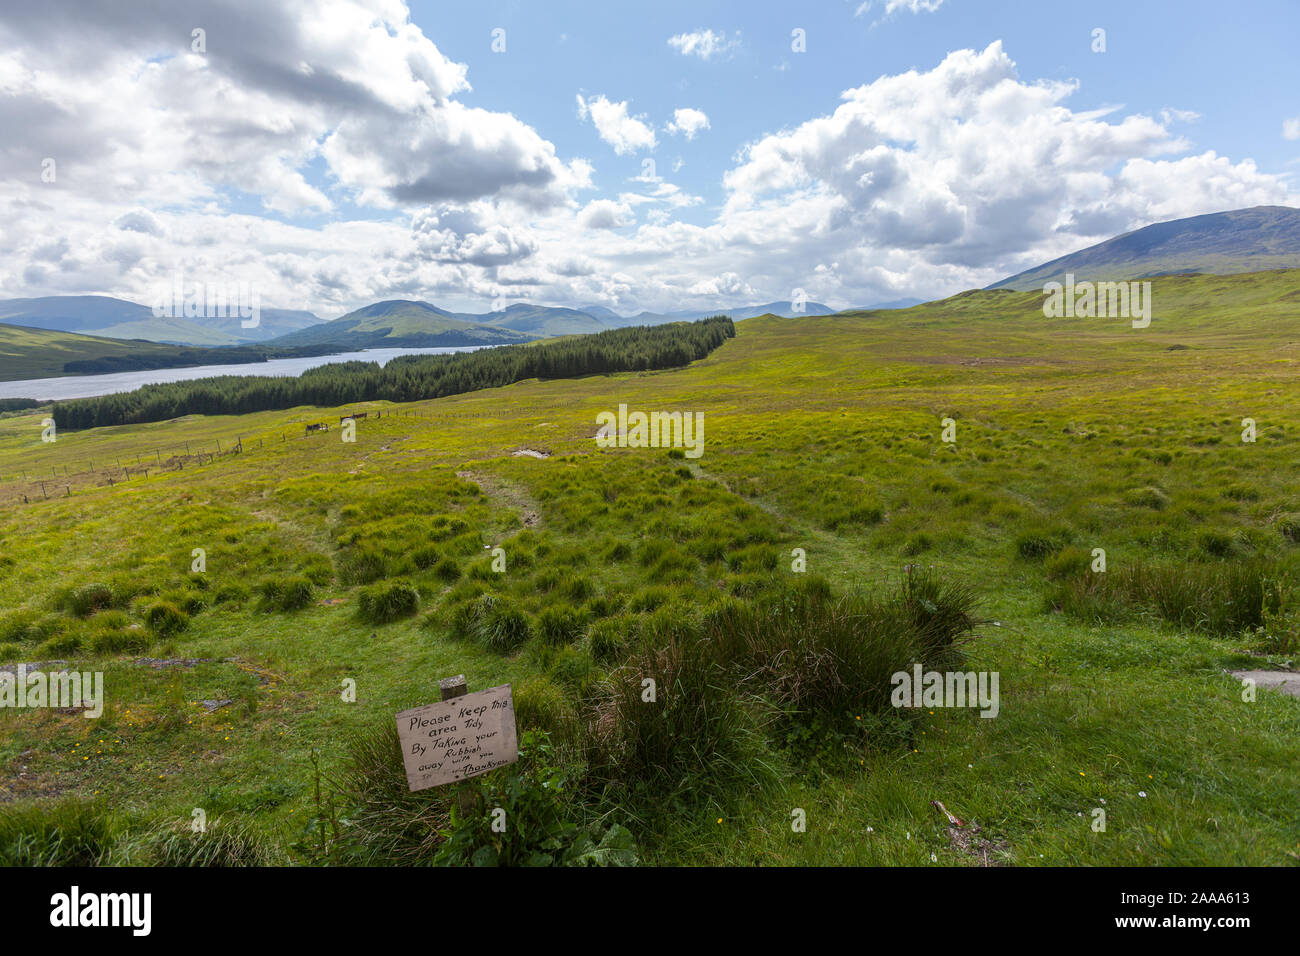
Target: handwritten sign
458,738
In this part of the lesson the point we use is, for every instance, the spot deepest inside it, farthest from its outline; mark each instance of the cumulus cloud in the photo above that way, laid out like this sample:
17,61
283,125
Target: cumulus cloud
704,44
1291,128
687,122
325,152
969,166
616,126
605,214
119,96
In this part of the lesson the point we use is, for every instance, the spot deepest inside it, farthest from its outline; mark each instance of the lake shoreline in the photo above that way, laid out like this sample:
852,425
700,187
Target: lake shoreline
66,387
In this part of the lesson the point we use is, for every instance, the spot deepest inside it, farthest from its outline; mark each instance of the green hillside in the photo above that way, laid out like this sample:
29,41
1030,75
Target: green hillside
1225,243
42,353
401,324
329,562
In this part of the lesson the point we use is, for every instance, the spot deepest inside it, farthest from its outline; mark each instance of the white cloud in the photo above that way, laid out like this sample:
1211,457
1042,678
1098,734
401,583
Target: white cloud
921,183
1169,116
688,122
891,6
624,132
704,44
605,214
1291,128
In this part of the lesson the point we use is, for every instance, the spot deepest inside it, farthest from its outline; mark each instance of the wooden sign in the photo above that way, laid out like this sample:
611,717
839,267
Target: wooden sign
458,738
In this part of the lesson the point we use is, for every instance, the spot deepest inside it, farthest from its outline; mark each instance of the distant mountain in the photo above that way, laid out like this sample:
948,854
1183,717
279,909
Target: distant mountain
608,316
544,321
892,304
737,313
1222,243
112,318
403,323
31,353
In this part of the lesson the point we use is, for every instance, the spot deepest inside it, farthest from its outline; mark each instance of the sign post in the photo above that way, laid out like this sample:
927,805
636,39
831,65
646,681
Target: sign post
461,737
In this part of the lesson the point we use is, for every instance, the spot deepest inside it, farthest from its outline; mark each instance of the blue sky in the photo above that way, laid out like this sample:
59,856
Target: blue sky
1200,55
338,152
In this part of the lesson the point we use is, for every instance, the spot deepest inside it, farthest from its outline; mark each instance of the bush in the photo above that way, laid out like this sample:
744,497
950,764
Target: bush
384,603
284,593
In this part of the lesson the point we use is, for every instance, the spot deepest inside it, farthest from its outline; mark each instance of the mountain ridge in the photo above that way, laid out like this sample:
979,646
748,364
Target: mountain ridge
1255,239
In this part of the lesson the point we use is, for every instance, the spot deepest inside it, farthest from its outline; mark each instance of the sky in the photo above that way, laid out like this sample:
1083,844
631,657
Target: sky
638,156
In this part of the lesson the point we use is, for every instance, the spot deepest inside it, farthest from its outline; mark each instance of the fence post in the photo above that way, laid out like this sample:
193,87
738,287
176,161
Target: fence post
450,688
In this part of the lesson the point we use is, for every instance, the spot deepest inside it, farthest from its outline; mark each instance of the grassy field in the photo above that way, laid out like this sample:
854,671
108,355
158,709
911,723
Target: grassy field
327,560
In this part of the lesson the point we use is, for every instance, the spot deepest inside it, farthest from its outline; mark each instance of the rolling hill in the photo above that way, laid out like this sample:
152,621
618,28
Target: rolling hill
546,321
112,318
1222,243
403,323
27,353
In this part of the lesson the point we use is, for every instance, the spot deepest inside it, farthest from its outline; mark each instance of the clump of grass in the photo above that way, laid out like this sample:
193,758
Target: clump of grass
389,825
918,543
649,599
861,515
291,593
28,627
1219,599
69,833
425,558
165,619
492,621
1288,525
607,638
221,844
384,603
447,570
1039,544
1067,562
361,566
113,633
558,626
86,599
541,705
696,734
811,653
1148,497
